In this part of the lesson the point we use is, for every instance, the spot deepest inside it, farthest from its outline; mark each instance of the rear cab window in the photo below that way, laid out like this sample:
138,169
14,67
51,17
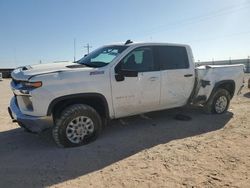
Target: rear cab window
172,57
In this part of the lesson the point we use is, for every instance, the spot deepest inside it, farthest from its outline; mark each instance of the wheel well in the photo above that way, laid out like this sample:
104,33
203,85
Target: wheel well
96,102
228,85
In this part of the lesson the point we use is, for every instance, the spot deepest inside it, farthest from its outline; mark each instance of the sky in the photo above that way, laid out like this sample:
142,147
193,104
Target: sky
43,31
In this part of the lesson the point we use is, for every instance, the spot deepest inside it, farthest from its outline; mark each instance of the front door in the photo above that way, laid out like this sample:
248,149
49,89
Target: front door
139,94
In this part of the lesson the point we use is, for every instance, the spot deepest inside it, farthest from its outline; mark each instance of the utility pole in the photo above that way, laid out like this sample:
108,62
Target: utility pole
88,47
74,49
248,66
15,62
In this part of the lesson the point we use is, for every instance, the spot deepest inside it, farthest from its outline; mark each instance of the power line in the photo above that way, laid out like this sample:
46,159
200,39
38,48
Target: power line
198,19
221,37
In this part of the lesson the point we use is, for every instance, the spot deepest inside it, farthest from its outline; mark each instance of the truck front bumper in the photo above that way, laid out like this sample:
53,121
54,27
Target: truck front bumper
32,123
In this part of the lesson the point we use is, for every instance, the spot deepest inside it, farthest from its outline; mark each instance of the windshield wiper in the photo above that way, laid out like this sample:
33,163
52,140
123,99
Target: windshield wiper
95,64
90,65
76,66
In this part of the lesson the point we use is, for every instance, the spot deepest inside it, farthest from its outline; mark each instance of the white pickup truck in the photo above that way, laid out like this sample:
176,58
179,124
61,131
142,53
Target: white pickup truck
77,99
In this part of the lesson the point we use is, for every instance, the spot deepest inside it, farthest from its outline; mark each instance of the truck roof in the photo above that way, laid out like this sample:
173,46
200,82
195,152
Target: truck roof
150,43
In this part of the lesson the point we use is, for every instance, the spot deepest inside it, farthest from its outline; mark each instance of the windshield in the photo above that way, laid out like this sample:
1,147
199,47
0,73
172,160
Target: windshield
102,56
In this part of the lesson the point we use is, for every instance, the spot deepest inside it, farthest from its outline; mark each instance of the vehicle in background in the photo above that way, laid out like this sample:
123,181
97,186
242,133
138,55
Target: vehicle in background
77,99
1,76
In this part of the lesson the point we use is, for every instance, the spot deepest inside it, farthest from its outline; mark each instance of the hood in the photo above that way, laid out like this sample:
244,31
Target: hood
24,73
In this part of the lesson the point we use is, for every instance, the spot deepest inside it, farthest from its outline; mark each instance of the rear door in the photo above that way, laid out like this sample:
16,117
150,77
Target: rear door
138,94
177,75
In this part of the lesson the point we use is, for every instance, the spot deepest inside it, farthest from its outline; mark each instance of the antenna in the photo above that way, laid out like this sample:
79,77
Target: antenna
128,42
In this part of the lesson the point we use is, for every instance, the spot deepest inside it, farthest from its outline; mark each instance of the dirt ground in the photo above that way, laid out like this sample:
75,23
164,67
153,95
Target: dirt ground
154,150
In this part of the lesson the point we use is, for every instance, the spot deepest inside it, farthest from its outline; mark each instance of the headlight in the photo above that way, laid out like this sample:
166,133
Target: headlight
32,85
24,87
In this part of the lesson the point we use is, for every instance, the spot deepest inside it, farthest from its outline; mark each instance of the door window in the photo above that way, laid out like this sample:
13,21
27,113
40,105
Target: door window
140,59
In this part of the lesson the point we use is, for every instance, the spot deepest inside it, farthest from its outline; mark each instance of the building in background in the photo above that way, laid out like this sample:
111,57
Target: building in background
6,72
246,62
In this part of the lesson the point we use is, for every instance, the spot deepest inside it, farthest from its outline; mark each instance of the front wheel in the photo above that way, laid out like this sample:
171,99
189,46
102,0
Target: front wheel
218,102
77,125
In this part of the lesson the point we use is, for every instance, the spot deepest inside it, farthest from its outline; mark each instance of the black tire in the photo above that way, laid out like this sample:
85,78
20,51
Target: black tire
67,116
212,107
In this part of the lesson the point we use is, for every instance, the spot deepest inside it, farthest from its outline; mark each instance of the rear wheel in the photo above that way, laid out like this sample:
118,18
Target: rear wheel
77,125
218,102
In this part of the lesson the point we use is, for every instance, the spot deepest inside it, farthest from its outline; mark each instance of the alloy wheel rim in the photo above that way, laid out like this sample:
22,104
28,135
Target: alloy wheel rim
79,128
221,104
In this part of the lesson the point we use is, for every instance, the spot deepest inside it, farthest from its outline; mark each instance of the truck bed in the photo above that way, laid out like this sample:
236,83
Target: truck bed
207,76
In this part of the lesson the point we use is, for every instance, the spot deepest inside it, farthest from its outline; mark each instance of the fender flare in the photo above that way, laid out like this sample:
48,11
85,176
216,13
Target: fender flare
55,101
218,84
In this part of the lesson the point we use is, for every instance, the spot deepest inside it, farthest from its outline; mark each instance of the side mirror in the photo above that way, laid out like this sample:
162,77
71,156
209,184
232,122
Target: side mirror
121,73
85,55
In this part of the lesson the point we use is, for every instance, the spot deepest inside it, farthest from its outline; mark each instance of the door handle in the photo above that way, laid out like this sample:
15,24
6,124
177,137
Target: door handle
153,78
188,75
